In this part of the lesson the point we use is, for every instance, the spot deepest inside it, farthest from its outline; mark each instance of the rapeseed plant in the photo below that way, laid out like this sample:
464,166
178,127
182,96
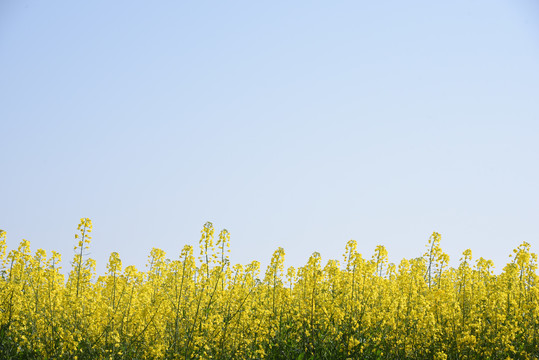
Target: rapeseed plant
182,308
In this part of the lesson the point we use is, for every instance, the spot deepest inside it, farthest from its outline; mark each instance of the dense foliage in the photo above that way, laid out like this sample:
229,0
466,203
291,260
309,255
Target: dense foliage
187,309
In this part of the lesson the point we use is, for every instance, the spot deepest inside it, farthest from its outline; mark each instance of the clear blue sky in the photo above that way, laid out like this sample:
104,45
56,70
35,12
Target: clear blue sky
297,124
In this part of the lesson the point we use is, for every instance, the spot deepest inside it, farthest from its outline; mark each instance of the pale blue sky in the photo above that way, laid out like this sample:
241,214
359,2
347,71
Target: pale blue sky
295,124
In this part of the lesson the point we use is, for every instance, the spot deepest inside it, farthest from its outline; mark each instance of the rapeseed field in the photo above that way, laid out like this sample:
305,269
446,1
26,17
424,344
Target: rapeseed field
200,306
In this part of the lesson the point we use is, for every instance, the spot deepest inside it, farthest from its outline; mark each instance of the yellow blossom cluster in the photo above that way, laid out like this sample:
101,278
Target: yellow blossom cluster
360,308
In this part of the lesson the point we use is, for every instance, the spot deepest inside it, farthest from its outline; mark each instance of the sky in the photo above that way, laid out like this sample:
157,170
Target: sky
298,124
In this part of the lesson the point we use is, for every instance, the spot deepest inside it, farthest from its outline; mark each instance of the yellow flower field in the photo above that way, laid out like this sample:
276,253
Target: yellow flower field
200,306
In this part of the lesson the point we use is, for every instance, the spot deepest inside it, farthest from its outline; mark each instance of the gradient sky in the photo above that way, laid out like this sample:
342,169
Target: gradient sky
298,124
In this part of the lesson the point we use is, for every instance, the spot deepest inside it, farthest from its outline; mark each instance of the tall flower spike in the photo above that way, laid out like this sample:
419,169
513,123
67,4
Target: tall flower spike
223,244
206,246
3,248
349,253
84,228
